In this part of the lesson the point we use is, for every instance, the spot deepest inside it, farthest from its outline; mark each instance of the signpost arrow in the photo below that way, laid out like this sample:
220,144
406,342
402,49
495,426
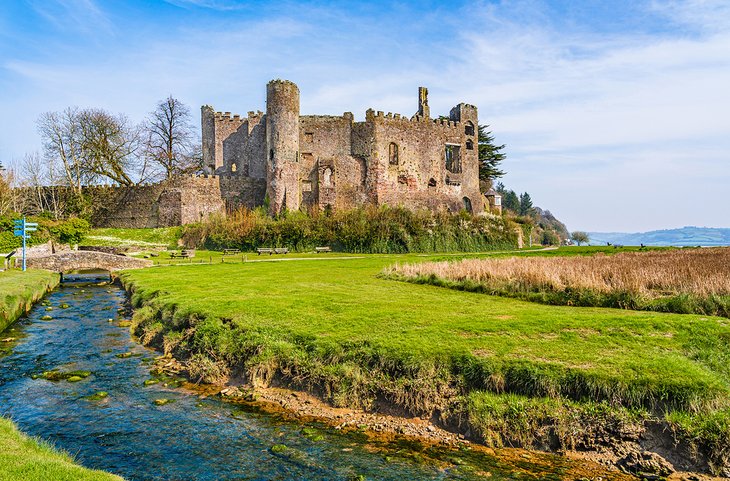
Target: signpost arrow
21,229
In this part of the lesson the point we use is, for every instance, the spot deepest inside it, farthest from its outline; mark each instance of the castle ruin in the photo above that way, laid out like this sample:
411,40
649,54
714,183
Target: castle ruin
286,160
290,161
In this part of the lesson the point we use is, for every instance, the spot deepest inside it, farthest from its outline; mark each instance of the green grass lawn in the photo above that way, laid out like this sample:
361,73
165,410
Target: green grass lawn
19,290
27,459
334,326
638,356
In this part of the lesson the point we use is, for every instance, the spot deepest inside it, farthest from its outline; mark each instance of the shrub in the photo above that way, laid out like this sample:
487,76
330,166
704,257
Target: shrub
71,231
362,230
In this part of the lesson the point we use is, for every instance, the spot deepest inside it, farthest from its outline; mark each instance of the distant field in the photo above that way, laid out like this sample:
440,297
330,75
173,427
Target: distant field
675,280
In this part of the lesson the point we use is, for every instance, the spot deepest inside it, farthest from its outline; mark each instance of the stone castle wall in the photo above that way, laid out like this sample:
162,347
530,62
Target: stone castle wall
177,201
325,161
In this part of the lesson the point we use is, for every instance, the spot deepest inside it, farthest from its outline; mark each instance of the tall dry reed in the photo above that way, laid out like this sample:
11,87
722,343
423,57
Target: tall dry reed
643,276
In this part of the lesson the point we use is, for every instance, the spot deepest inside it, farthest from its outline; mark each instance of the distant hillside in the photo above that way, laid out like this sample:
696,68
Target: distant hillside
686,236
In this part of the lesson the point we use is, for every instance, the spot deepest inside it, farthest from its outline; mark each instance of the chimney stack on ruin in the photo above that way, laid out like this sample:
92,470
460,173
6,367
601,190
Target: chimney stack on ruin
423,110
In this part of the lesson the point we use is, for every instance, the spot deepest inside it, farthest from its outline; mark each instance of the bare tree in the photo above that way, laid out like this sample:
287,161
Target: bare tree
171,139
8,195
63,141
110,144
92,145
34,175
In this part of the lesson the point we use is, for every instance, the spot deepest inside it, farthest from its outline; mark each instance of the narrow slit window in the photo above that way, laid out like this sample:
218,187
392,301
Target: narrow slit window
393,153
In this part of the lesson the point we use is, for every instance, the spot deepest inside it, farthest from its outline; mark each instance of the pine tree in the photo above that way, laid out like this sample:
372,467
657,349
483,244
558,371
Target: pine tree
510,201
525,204
490,155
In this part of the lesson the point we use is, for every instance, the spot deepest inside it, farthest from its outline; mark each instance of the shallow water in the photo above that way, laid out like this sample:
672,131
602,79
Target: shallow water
190,438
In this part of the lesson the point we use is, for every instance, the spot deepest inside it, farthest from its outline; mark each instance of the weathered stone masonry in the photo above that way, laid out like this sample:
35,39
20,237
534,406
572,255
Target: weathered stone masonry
307,161
313,161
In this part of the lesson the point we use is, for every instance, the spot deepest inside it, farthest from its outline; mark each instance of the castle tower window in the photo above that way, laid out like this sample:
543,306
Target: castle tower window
469,145
393,153
234,168
432,182
467,204
308,137
469,128
453,158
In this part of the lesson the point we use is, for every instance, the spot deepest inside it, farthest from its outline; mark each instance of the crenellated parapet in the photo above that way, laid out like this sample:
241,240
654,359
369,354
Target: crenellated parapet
332,160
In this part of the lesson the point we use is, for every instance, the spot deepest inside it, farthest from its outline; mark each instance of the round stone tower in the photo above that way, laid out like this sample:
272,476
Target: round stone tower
282,145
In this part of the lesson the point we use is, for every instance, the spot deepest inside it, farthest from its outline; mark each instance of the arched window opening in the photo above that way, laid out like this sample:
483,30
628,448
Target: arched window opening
467,204
432,182
393,153
469,128
234,167
469,145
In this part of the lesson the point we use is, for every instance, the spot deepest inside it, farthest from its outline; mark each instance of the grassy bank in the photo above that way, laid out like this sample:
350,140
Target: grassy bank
20,290
333,327
683,281
28,459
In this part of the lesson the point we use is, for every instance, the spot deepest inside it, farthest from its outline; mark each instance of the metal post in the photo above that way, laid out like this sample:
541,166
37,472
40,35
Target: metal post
23,243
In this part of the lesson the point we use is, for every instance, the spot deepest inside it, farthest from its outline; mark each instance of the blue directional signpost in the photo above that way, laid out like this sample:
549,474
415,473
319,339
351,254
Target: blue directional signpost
22,229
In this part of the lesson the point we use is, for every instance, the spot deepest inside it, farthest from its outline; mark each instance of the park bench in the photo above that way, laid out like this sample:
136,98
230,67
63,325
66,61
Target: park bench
183,253
323,249
281,250
230,252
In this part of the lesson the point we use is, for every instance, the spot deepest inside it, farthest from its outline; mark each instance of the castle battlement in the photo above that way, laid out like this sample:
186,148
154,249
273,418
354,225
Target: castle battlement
305,161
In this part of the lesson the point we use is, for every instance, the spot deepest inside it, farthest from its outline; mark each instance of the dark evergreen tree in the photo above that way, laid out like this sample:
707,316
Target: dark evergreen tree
510,201
525,204
490,155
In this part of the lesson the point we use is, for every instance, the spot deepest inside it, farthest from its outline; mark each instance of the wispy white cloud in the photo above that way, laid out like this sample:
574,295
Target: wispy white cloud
220,5
603,128
83,16
705,15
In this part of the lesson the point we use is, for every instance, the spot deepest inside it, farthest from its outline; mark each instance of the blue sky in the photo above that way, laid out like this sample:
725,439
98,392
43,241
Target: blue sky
616,114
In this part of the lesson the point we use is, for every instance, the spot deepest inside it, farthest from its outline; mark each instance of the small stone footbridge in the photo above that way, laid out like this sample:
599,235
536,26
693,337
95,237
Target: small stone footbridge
68,261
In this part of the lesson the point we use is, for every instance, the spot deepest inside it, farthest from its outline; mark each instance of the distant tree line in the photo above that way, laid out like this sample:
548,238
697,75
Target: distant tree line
539,226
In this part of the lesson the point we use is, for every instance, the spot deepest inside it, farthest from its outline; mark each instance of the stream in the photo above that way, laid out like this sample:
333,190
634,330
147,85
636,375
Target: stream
191,437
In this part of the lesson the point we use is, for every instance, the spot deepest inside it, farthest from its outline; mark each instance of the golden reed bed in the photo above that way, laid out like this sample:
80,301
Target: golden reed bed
699,273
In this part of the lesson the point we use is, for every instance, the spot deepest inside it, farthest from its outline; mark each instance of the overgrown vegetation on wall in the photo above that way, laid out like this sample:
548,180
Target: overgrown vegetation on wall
362,230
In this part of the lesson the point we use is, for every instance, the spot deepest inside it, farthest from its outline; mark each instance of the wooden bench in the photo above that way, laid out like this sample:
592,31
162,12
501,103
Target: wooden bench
323,249
183,253
230,252
265,250
281,250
